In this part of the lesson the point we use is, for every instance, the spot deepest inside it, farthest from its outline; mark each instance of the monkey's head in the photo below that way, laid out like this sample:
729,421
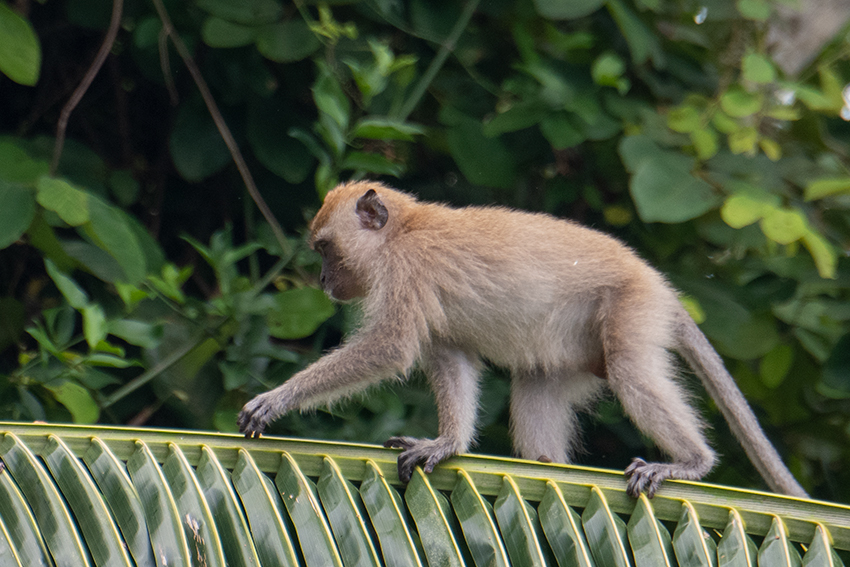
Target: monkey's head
347,231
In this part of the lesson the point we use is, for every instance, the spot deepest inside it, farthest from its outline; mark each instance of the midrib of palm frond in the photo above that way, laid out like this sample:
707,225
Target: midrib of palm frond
77,495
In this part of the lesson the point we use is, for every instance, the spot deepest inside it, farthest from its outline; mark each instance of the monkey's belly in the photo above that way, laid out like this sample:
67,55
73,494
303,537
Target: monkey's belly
564,337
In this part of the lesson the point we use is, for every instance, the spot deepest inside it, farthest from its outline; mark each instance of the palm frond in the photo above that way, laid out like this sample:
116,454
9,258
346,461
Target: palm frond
80,496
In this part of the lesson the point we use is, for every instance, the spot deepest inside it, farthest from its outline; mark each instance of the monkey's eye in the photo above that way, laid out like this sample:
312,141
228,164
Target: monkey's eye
320,246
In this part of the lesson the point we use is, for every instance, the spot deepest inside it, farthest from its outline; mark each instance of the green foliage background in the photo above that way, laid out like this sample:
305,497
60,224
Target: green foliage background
139,283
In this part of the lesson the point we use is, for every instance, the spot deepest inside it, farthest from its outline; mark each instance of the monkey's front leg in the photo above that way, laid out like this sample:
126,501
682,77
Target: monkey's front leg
453,376
340,373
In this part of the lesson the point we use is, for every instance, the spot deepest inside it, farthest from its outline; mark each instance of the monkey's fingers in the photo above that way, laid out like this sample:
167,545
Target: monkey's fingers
644,477
250,424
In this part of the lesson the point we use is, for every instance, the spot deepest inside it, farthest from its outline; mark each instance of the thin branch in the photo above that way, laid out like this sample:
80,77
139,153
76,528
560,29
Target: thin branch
165,65
223,130
77,96
437,63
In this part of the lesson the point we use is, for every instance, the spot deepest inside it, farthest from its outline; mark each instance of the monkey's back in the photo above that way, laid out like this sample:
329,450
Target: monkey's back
526,289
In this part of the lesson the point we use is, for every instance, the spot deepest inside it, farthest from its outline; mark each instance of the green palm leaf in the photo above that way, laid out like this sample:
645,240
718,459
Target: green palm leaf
73,495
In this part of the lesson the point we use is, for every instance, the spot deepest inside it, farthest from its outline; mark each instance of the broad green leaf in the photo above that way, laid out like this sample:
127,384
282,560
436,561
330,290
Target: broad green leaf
431,512
822,252
372,163
298,313
111,230
563,529
197,149
8,553
776,549
649,539
217,32
814,98
192,507
643,43
733,329
52,515
139,333
230,522
784,226
663,191
738,103
27,537
16,213
121,496
560,131
164,523
262,505
743,209
381,128
518,523
20,51
705,142
84,498
771,149
684,119
744,141
16,165
482,160
518,117
344,508
475,515
826,186
693,545
775,365
607,70
758,68
820,551
606,532
566,9
735,547
282,154
758,10
76,399
92,259
247,12
386,510
74,294
94,324
59,196
301,500
723,122
330,98
636,149
287,41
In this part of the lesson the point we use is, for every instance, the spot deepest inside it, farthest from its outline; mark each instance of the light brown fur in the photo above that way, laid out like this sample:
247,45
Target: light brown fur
569,310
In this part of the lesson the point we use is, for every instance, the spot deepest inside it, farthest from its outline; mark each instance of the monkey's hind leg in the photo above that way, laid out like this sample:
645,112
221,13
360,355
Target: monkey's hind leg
641,374
453,376
544,408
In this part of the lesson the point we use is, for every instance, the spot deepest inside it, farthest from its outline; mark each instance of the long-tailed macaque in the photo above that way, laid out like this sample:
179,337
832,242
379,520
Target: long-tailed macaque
568,310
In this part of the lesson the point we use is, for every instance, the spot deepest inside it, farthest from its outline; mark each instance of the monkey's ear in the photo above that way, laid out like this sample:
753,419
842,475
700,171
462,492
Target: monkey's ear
372,212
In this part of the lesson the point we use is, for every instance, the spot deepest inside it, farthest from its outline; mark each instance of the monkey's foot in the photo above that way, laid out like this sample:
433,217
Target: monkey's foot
256,415
426,452
647,477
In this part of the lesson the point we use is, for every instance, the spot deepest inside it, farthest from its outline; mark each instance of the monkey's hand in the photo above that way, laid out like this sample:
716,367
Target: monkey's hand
258,413
426,452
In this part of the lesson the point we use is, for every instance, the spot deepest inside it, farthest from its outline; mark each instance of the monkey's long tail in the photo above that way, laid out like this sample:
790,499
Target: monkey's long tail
707,364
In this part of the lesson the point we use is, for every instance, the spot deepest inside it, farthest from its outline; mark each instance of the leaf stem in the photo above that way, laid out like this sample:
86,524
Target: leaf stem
446,49
223,129
80,91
